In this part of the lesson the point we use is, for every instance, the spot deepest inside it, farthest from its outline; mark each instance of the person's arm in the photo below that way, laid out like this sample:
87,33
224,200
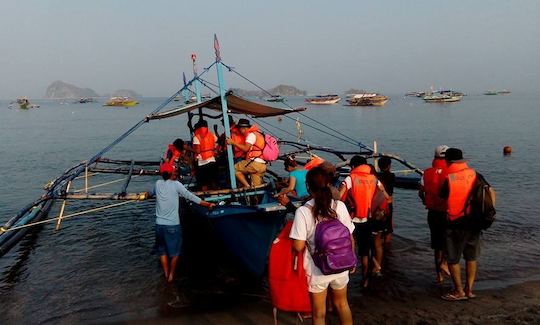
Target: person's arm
290,188
387,196
299,230
445,191
284,200
342,190
421,193
245,147
299,245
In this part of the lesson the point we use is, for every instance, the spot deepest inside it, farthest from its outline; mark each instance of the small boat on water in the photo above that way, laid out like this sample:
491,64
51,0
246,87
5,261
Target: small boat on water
441,98
367,99
491,93
84,100
121,102
275,99
24,103
323,100
504,92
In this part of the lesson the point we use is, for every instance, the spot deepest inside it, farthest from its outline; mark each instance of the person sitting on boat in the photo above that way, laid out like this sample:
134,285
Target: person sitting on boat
168,228
297,179
204,145
237,137
172,156
253,164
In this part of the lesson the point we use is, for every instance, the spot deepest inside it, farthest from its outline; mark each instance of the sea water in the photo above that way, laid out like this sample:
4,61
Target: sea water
100,267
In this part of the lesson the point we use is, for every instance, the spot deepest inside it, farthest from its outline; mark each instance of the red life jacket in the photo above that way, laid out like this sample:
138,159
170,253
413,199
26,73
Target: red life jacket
433,180
207,142
237,137
313,163
257,148
461,180
286,275
170,158
363,188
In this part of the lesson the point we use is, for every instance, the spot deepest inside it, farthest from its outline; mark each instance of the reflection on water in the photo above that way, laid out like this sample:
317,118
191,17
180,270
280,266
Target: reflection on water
100,267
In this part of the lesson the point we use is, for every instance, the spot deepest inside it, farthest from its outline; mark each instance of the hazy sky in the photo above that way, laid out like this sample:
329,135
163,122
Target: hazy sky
319,46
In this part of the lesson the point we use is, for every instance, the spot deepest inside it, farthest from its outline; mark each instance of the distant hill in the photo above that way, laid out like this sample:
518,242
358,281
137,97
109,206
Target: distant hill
126,93
60,89
355,91
283,90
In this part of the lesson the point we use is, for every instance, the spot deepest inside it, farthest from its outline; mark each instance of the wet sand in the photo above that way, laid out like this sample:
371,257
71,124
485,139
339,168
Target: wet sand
517,304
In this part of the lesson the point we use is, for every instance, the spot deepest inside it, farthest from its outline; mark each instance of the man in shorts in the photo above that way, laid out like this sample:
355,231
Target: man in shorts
461,237
168,229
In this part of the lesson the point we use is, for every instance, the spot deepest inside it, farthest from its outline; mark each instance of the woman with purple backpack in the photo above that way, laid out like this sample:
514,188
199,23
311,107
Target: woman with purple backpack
315,225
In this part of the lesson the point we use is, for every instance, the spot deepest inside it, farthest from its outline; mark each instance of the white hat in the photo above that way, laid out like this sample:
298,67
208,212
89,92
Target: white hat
440,151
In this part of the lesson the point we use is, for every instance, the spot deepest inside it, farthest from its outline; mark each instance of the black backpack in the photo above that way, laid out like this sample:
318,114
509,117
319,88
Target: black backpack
480,205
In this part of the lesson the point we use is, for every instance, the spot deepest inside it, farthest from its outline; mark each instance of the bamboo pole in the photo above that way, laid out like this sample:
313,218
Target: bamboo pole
86,178
62,208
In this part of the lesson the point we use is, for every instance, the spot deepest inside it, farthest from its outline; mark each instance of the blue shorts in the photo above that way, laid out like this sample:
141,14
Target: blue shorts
168,240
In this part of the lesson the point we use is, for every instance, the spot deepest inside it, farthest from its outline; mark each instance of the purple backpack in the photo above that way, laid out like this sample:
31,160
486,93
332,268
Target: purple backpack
333,247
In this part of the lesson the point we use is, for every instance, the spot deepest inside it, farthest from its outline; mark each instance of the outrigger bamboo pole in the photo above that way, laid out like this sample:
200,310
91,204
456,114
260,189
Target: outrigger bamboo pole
86,178
62,208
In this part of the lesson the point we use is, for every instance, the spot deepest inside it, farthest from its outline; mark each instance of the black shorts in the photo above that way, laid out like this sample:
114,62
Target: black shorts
464,242
207,174
362,237
437,228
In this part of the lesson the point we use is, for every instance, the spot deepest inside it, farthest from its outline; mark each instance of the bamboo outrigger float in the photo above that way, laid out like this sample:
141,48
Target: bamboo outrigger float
245,228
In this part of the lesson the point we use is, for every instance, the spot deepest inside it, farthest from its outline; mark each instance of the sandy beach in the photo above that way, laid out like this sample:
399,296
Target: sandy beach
517,304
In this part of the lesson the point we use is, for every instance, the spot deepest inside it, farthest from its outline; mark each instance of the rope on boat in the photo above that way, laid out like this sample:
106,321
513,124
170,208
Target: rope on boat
37,223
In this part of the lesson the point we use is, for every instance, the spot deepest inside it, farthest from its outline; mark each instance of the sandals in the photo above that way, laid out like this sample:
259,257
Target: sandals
451,296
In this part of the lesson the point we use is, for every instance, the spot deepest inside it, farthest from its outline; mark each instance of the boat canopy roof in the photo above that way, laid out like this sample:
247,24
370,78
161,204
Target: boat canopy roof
235,104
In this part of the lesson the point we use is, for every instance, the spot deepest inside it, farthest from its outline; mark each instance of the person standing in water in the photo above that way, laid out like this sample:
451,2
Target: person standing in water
168,228
430,187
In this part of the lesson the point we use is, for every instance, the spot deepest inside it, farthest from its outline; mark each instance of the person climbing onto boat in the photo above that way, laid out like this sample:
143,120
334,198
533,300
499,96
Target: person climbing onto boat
297,179
306,218
461,237
430,187
172,156
168,229
388,180
204,145
253,164
358,189
237,137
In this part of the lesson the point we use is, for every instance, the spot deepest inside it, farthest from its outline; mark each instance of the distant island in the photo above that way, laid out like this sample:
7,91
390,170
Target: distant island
282,90
60,90
355,91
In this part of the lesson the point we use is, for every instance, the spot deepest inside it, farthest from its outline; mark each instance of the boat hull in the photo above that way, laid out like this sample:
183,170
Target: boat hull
323,102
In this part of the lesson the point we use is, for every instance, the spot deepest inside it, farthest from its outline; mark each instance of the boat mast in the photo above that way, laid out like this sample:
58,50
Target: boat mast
224,109
185,91
197,81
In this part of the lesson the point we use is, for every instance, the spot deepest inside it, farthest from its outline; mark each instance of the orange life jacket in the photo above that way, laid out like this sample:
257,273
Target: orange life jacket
207,142
237,137
313,163
257,148
433,180
171,157
461,180
363,188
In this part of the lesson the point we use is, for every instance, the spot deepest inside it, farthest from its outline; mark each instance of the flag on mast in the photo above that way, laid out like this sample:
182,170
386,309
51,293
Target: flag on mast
216,47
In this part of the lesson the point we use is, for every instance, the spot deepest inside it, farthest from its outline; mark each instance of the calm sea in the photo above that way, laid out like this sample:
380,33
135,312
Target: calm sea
100,267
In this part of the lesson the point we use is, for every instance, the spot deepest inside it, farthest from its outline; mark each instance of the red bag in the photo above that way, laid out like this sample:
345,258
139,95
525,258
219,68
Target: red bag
286,275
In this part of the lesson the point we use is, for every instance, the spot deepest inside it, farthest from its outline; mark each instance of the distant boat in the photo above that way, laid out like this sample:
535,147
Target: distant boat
491,93
84,100
504,92
323,100
360,95
24,103
275,98
121,102
367,100
441,98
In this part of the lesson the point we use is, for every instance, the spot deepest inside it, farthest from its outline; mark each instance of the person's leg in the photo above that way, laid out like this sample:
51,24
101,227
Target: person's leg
257,171
454,250
378,245
455,272
165,265
342,306
438,255
318,307
470,268
174,261
240,171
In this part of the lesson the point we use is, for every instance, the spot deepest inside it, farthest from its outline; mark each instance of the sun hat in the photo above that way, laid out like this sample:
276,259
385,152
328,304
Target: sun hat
440,151
243,123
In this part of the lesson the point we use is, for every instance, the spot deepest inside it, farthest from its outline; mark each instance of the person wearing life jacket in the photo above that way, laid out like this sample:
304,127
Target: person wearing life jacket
204,145
172,156
253,164
297,179
430,187
461,237
360,187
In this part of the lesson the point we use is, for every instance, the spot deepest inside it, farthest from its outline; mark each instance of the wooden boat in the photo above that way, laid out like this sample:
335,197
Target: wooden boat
441,98
24,103
504,92
375,100
491,92
121,102
275,98
244,222
323,100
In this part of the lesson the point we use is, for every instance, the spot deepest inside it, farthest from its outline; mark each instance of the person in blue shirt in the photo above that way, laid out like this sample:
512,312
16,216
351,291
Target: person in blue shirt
297,179
168,229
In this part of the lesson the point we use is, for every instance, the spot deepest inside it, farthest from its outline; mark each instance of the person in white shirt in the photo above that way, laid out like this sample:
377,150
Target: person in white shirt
303,232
